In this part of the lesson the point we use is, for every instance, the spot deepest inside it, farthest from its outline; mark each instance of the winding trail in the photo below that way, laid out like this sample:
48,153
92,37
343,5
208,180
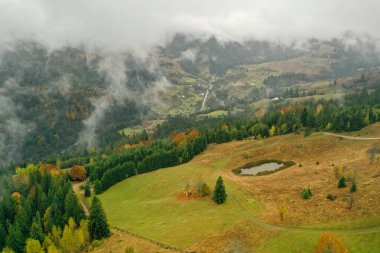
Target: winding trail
352,137
76,189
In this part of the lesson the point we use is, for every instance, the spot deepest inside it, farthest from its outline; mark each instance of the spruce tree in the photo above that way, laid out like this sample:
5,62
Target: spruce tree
2,236
219,195
353,187
98,187
72,207
15,239
87,191
36,231
97,221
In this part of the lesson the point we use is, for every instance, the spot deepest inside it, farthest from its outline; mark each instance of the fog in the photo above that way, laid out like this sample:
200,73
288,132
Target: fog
138,25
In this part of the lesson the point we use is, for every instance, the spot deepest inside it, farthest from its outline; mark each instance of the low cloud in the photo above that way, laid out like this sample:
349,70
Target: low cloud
138,25
114,71
12,129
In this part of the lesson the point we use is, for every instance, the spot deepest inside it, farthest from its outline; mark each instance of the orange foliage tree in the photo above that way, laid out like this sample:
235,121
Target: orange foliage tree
49,167
193,134
330,243
179,137
78,172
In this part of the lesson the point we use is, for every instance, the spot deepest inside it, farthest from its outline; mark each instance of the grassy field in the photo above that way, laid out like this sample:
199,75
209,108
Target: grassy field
214,114
153,205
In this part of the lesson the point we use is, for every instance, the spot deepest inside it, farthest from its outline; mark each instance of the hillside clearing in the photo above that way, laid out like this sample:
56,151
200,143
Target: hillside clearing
148,204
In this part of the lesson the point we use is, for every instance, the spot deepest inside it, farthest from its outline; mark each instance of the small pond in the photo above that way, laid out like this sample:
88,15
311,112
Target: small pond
262,167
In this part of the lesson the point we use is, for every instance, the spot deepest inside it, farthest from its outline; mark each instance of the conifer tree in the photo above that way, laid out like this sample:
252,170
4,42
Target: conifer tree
353,187
98,187
73,208
87,191
97,221
219,195
36,231
2,236
15,239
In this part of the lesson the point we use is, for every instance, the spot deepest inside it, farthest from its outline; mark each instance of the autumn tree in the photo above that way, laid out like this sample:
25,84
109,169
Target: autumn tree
282,210
194,133
72,240
272,131
78,172
330,243
97,221
178,138
33,246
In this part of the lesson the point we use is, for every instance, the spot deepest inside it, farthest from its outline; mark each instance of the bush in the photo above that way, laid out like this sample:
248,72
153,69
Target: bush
129,249
306,193
96,243
204,190
317,162
342,182
331,197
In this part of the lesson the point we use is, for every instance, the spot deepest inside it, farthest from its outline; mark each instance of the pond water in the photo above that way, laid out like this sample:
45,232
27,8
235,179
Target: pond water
271,166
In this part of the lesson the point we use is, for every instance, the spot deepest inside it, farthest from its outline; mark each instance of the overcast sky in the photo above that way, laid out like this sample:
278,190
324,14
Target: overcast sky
139,24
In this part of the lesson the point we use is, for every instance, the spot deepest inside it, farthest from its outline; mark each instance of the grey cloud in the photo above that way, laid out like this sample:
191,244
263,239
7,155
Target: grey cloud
137,25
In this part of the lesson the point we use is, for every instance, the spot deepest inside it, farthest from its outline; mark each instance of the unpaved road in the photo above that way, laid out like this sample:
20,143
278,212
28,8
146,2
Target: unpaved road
353,137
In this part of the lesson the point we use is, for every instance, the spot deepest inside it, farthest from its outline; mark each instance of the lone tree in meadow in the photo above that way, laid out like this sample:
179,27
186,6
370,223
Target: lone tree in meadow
353,187
329,242
97,221
220,194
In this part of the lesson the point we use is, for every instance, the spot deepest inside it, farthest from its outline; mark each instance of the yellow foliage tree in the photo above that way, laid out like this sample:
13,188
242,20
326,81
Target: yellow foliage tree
272,131
17,198
33,246
330,243
72,240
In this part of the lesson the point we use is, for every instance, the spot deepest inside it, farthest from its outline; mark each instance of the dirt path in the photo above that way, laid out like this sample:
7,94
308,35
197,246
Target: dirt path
76,188
353,137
